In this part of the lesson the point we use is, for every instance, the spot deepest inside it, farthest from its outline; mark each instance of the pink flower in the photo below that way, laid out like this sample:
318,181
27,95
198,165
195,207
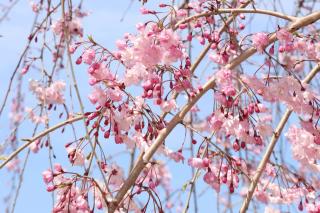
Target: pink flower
99,72
47,176
151,46
304,146
115,94
210,178
35,118
76,157
216,122
135,74
176,156
182,13
13,165
167,106
34,146
51,188
74,26
88,56
48,95
35,7
121,44
262,196
82,204
199,162
58,167
265,130
144,11
284,35
219,58
260,41
98,96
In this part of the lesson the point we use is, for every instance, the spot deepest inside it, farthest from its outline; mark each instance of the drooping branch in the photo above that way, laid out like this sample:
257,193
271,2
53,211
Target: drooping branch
144,159
270,148
38,136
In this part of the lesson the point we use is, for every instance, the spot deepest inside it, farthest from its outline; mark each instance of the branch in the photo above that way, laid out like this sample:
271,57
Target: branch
40,135
144,159
237,11
271,146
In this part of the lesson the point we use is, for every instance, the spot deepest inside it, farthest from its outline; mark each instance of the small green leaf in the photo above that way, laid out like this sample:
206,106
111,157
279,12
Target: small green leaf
184,187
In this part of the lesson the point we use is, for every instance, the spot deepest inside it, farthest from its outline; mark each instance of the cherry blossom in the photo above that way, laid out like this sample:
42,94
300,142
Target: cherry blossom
260,41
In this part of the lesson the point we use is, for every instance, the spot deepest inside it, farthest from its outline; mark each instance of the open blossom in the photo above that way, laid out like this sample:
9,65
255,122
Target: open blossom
219,58
260,41
48,95
151,47
199,162
34,146
88,56
76,157
176,156
98,96
286,89
303,146
271,193
135,74
36,118
265,130
34,6
116,175
224,81
284,35
167,106
114,94
14,165
47,176
100,72
74,27
71,199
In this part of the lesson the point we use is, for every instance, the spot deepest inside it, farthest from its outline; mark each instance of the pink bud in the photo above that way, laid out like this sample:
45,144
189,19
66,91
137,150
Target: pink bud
79,60
236,146
25,69
51,188
118,139
300,207
72,49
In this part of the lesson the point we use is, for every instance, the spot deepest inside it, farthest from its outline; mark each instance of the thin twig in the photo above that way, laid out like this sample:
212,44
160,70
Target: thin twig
237,11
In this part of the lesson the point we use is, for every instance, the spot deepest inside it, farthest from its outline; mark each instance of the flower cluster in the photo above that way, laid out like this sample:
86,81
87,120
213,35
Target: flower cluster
48,95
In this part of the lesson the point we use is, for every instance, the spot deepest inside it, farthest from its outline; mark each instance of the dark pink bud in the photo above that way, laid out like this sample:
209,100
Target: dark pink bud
79,60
